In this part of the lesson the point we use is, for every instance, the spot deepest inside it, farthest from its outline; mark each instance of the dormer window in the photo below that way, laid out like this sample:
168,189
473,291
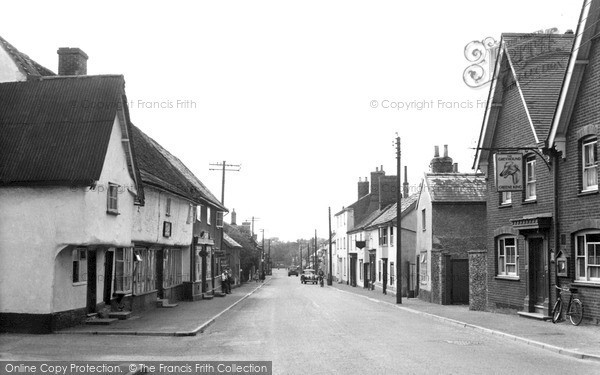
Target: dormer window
112,206
589,164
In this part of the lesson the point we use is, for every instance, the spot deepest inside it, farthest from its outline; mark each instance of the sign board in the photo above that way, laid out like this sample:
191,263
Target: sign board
219,253
509,172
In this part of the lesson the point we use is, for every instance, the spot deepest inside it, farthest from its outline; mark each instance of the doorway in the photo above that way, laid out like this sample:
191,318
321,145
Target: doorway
538,293
460,281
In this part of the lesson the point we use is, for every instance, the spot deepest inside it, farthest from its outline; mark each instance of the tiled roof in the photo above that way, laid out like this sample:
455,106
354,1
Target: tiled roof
390,213
368,220
456,187
56,130
230,241
160,168
24,62
238,236
540,62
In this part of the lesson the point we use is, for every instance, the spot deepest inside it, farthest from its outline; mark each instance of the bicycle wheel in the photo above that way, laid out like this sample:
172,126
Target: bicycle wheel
576,312
556,311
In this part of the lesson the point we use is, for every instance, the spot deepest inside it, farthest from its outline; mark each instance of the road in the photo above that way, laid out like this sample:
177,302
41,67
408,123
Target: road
306,329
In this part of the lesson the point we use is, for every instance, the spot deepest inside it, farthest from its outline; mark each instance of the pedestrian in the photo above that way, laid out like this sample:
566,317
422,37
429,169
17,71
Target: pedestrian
229,280
224,282
255,276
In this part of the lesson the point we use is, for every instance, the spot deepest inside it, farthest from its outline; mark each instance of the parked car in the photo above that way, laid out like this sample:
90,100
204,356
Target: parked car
309,276
292,271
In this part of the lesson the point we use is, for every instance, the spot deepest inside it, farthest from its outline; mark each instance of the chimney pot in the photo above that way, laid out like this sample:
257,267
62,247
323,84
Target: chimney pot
233,217
455,167
445,151
71,61
436,152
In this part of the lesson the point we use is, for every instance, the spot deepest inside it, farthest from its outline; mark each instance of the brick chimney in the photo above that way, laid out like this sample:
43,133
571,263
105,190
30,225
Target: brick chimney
441,164
405,184
388,190
375,180
233,217
72,62
363,187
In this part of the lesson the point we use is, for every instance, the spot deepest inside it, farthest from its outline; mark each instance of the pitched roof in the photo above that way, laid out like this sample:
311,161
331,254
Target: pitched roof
390,214
56,130
456,187
160,168
24,62
535,65
588,28
241,238
539,62
364,223
230,242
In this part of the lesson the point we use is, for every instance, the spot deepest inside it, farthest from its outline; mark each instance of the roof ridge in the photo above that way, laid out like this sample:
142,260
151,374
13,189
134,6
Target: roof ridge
17,56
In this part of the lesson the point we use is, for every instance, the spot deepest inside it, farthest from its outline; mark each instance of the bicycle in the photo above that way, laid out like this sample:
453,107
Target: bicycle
574,308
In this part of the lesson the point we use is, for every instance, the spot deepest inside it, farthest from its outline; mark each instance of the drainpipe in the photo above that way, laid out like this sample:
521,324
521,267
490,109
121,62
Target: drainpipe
556,157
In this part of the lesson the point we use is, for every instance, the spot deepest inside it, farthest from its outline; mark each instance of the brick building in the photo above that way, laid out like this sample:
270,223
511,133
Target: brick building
574,135
451,229
519,167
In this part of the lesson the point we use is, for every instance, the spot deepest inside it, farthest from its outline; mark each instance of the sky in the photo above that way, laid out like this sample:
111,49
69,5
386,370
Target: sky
306,95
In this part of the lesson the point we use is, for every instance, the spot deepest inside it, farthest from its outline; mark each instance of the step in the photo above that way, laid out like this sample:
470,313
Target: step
164,303
207,296
533,315
92,315
121,315
100,321
219,294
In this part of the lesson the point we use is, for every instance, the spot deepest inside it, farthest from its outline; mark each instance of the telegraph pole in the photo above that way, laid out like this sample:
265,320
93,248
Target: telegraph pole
262,255
399,225
269,259
330,276
225,168
316,248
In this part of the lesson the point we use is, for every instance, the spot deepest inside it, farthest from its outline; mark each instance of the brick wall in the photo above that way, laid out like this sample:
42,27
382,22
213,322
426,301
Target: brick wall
513,130
575,209
459,227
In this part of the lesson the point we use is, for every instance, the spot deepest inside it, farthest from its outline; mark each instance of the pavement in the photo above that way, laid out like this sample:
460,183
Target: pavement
186,319
581,341
192,318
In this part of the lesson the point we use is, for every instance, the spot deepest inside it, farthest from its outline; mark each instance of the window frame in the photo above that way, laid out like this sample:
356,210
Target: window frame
168,207
593,142
126,265
530,160
586,257
502,257
79,266
198,217
392,270
112,195
424,219
506,198
391,235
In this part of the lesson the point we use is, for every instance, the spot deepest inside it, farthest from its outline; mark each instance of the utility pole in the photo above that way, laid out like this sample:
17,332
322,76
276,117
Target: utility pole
252,220
262,254
316,248
225,168
269,259
399,225
308,254
300,247
330,276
